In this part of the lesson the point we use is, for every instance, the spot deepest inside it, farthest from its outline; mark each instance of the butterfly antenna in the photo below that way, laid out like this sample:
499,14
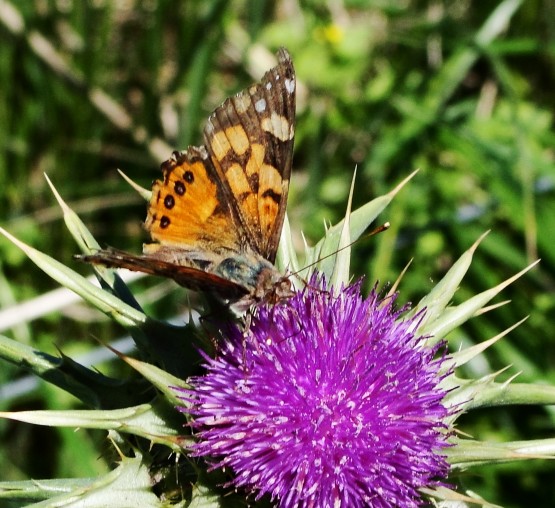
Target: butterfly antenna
380,229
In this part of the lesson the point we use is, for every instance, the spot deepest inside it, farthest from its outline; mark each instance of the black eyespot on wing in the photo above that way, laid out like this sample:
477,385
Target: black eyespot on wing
179,188
169,201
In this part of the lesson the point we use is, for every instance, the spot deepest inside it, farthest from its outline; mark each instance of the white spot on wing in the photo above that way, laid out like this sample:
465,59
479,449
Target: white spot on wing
242,103
260,105
209,129
290,85
278,126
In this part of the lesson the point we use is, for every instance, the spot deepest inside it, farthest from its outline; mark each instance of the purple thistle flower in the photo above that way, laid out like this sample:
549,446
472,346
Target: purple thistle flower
327,400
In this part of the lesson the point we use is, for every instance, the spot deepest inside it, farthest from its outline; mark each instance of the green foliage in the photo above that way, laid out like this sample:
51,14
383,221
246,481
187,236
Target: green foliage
460,90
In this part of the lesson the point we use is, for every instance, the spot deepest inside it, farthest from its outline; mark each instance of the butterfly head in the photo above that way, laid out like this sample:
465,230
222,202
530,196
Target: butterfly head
270,287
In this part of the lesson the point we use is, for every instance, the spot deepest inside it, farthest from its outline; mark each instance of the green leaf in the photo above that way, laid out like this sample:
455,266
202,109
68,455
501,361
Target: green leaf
87,243
360,219
89,386
161,379
467,453
204,497
452,317
342,259
37,490
286,260
159,422
129,485
440,296
505,394
121,312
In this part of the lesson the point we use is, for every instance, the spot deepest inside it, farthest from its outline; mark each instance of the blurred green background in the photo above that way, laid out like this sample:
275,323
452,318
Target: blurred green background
462,90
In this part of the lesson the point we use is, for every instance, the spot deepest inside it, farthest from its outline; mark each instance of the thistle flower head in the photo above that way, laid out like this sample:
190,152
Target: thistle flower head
326,400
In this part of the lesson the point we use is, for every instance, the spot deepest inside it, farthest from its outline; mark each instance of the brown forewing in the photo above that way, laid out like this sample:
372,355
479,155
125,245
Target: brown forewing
250,140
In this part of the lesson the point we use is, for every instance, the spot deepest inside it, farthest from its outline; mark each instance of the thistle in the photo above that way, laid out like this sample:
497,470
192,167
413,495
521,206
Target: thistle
326,400
329,398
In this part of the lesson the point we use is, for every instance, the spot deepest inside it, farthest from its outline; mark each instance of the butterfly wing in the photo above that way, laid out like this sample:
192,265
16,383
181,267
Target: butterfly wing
217,213
189,209
193,225
196,278
250,141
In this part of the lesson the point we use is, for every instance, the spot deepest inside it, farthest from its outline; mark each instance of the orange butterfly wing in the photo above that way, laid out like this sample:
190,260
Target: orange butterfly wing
217,214
188,209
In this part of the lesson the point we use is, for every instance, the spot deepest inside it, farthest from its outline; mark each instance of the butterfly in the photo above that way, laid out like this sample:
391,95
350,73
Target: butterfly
216,215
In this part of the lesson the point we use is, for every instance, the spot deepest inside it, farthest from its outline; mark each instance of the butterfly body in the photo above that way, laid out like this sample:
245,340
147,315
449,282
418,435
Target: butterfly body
216,215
